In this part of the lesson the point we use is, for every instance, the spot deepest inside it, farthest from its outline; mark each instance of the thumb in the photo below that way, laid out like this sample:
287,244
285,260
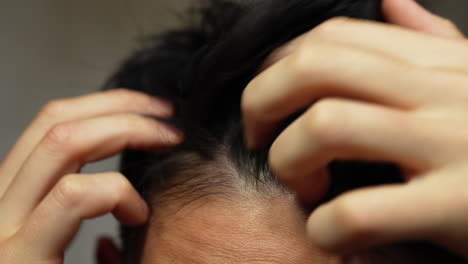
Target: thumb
410,14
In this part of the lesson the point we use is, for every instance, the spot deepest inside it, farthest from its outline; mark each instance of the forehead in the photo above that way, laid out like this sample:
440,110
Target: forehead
249,230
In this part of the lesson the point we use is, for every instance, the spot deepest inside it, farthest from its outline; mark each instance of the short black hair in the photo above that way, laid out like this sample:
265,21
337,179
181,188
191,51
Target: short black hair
203,68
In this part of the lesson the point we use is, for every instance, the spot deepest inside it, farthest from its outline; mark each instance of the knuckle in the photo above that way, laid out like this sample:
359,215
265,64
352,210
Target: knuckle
123,185
301,62
331,25
133,122
117,187
302,65
69,191
54,109
326,122
122,93
59,136
312,60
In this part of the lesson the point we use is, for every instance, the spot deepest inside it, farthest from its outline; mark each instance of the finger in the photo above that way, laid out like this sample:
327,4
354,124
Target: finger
410,14
83,107
383,215
76,198
107,252
324,70
69,146
406,45
341,129
371,217
282,52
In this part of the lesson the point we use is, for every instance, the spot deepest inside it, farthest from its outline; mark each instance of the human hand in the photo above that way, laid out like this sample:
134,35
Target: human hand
381,93
44,198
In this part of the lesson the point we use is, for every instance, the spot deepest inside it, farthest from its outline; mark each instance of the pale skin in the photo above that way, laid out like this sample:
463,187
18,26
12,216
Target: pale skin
381,93
409,107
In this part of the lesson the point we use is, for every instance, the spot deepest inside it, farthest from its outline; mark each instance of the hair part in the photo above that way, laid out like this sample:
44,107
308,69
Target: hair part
203,68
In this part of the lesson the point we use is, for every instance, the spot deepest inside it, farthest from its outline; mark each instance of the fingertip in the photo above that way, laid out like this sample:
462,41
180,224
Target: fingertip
249,138
145,212
310,189
142,215
406,13
162,106
374,216
139,215
177,137
345,224
172,135
322,229
248,141
412,15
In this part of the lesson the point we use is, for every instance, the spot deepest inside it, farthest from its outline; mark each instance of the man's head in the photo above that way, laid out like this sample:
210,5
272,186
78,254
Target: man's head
212,200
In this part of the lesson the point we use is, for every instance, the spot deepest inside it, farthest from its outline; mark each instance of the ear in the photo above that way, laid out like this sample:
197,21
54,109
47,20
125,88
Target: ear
410,14
107,252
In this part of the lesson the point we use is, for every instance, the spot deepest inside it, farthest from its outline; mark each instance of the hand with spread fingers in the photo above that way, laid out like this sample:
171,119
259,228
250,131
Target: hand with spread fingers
44,198
373,92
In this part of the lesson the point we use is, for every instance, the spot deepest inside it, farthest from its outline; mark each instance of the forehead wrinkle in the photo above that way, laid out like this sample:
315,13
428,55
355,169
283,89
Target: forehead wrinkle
248,231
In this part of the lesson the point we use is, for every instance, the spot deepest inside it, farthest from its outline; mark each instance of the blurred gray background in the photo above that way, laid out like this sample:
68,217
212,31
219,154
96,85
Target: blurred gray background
54,49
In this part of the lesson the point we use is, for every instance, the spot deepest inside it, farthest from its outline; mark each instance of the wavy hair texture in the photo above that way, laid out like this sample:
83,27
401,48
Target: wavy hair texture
203,68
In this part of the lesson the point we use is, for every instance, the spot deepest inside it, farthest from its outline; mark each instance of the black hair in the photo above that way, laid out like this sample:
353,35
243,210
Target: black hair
203,68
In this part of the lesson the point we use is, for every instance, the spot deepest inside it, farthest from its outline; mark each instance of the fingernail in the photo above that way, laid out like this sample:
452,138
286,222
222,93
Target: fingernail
162,106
